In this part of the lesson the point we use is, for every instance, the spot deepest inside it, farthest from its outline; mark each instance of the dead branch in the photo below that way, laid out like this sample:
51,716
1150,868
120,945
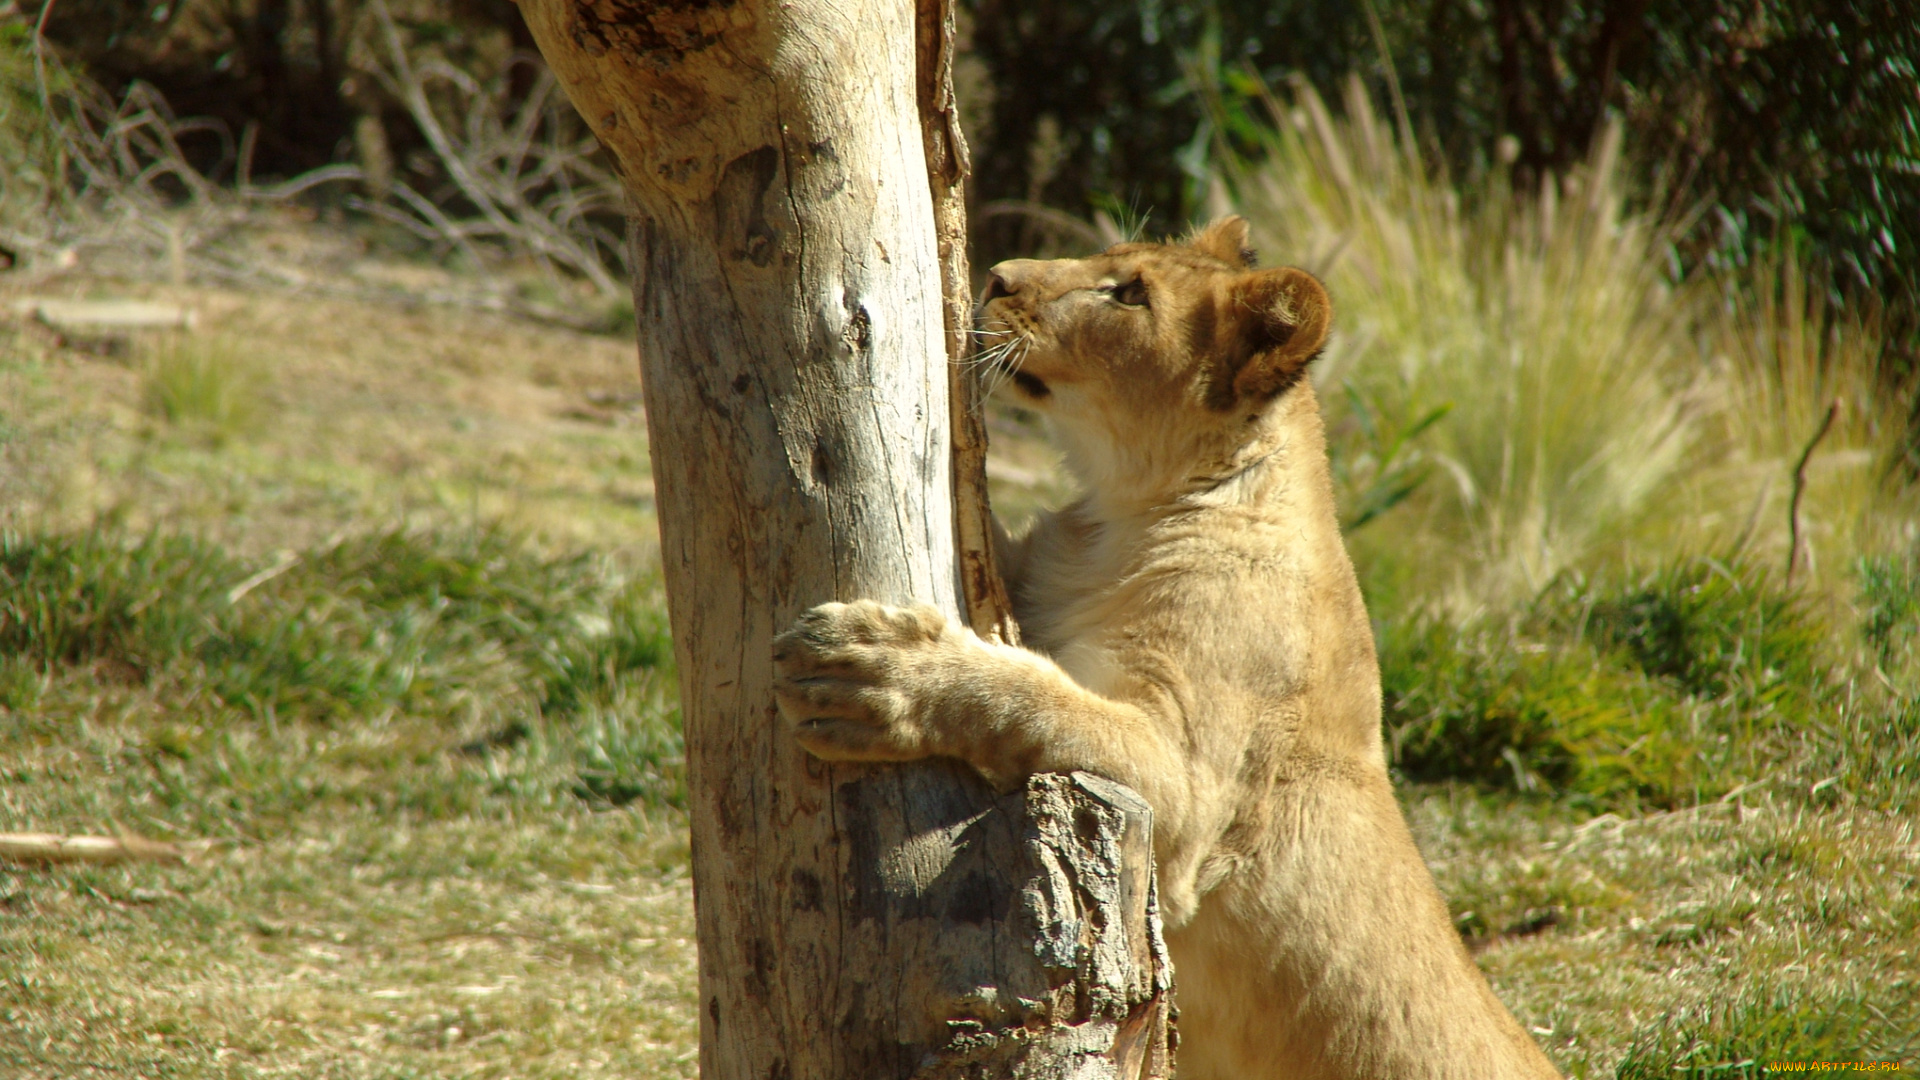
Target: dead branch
1800,487
56,848
532,191
525,183
983,595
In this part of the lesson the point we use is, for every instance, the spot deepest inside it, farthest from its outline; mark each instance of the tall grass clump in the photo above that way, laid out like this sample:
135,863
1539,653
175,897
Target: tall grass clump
207,387
1541,321
1781,356
1630,537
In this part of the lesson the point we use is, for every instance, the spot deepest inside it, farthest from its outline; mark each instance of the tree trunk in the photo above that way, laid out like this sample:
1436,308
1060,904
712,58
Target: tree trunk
853,922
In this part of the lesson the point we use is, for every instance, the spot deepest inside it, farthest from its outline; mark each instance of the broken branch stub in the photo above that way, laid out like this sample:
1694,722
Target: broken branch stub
1043,916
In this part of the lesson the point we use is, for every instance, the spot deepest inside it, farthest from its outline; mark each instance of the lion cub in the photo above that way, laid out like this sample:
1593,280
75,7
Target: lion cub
1195,632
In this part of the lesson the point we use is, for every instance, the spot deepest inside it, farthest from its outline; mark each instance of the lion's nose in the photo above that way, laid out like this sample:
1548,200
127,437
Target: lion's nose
996,288
1010,278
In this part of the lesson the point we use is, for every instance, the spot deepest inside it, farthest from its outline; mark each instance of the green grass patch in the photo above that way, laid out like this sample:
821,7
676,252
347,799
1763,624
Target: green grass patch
465,634
1769,1025
207,386
1679,685
439,774
1890,615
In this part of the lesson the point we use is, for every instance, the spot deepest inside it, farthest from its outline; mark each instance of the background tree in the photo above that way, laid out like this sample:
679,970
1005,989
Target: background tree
1798,121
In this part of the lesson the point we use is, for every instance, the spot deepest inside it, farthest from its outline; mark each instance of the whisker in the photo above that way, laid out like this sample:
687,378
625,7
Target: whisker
987,355
999,374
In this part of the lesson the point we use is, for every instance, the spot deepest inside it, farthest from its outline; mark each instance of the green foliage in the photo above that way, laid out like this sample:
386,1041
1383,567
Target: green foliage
1797,117
1801,117
1084,100
466,629
1709,628
1739,1034
1607,691
1499,709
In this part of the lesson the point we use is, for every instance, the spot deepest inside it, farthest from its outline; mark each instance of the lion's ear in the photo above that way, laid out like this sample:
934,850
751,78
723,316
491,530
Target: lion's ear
1284,316
1226,240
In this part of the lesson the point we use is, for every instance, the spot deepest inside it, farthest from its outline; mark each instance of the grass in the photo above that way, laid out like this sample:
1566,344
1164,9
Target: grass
27,152
464,630
208,387
406,417
1595,411
1756,929
406,748
1541,324
1662,689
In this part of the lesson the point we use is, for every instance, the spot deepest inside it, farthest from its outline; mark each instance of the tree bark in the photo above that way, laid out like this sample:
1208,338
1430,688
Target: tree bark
794,334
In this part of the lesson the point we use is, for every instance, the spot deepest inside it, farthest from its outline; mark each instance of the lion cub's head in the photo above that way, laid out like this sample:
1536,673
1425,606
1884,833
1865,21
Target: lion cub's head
1158,363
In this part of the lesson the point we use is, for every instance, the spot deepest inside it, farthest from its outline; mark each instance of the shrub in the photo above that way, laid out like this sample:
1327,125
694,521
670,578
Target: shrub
1711,628
1607,691
1503,709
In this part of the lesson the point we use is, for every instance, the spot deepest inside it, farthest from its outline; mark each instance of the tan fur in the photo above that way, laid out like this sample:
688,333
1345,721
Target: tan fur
1196,632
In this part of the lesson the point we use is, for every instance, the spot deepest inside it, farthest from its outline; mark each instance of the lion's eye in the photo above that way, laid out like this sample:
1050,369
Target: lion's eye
1132,294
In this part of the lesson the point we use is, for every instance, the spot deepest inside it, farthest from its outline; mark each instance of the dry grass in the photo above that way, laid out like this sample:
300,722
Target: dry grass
357,941
380,415
390,894
1540,321
1764,907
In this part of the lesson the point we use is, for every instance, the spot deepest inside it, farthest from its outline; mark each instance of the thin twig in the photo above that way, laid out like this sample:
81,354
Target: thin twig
40,59
1800,486
281,565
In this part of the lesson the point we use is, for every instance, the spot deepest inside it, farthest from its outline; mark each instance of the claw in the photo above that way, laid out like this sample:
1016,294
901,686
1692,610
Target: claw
843,677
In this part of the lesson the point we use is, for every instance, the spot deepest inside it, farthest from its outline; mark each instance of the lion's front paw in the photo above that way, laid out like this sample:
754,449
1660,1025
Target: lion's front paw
852,679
